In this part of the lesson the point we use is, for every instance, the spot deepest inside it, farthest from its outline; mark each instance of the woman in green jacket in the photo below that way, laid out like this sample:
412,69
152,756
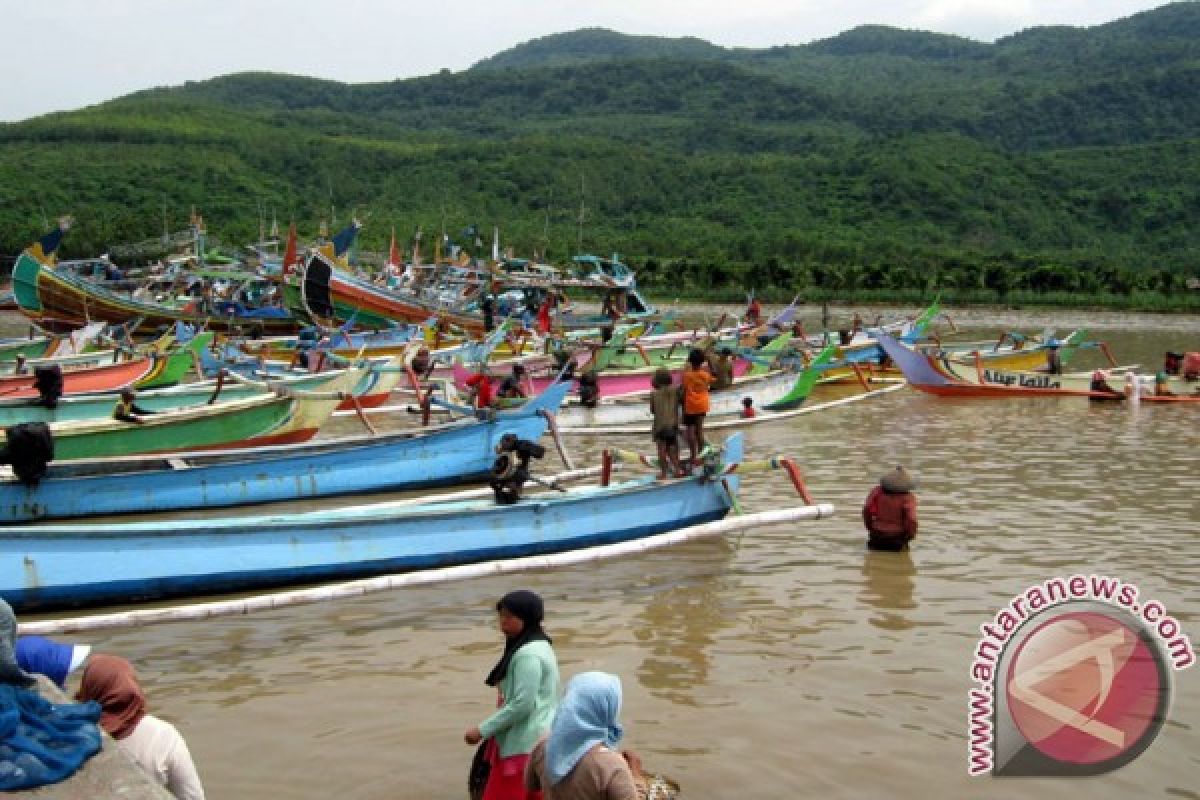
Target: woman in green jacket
526,679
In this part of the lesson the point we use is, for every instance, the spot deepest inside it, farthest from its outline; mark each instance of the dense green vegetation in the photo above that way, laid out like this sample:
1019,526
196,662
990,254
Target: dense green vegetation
1058,164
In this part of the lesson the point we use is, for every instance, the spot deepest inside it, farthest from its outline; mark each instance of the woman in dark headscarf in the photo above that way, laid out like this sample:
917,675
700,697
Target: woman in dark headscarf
526,679
153,743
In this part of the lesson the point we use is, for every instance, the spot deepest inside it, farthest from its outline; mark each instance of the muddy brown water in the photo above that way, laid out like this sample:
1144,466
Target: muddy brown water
785,662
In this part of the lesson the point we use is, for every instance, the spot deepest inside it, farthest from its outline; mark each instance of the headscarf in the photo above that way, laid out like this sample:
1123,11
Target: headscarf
10,671
527,607
111,682
53,659
586,717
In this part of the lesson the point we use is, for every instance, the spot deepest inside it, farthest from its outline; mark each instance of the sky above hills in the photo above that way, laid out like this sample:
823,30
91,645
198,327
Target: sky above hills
65,54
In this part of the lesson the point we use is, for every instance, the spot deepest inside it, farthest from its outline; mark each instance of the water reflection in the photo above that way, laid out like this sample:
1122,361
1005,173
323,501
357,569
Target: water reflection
888,588
676,629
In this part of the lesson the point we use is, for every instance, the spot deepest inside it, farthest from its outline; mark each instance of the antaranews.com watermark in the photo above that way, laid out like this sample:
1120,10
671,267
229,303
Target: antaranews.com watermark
1073,678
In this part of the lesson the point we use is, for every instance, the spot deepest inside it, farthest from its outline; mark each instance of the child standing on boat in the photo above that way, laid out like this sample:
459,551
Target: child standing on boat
664,406
696,381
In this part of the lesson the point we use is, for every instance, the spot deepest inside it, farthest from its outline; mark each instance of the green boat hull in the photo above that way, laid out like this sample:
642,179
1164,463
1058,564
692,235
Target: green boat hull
213,430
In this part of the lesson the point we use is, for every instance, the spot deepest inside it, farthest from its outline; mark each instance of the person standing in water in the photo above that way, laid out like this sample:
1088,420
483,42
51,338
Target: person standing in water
890,512
526,680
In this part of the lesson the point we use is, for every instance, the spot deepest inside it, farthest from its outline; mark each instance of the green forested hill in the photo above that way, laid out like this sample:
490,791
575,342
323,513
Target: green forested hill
1055,159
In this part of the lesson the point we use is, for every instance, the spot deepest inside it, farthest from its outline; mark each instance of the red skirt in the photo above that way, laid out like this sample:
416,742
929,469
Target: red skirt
506,781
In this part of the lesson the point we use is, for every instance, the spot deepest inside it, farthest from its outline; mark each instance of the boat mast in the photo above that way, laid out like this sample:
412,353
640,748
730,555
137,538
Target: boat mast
582,214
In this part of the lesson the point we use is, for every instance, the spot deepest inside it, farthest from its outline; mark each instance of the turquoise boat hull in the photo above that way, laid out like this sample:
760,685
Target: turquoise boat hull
452,454
72,565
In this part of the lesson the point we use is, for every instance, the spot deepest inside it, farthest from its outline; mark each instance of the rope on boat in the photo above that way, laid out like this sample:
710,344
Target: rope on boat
217,390
358,588
358,409
552,425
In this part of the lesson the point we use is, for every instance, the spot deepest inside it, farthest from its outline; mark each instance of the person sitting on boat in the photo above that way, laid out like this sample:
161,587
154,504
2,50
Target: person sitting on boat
722,368
664,409
1054,357
748,411
511,388
579,759
1100,384
55,660
1162,385
1172,362
696,381
890,512
154,744
127,410
20,367
422,364
589,389
479,389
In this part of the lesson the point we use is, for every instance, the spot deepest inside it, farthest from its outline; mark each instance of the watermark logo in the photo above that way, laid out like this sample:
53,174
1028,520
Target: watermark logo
1073,678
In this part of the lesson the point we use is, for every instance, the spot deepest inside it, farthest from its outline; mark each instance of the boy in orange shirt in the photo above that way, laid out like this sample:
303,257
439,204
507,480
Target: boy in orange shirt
696,380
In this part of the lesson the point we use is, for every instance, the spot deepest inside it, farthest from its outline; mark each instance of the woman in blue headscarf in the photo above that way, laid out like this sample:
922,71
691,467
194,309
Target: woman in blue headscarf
579,760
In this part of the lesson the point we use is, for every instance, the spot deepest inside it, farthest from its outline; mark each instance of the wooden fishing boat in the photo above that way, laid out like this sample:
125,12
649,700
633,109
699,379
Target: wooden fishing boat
230,387
436,456
328,293
609,384
267,419
68,565
944,379
59,301
31,347
103,378
777,391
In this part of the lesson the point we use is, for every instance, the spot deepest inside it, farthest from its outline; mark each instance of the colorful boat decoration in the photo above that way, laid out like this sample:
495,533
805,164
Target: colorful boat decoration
778,391
436,456
51,566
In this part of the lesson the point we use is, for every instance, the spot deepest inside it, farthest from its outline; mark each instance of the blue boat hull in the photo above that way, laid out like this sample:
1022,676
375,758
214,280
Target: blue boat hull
72,565
396,462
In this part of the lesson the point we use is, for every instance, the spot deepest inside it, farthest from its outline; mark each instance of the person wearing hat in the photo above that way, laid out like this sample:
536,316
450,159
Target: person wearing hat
1054,357
53,659
890,512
